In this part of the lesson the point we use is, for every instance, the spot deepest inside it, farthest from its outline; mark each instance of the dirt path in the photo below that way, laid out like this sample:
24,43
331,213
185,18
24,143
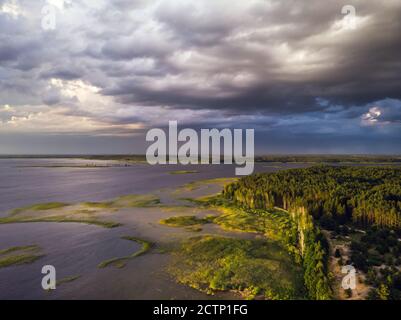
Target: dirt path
361,290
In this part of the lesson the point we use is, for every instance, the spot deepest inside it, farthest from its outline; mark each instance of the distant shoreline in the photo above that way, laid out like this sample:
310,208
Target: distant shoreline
363,159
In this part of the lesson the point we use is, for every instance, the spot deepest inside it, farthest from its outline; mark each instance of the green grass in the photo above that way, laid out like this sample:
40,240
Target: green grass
136,200
59,219
40,207
185,221
294,232
121,262
196,228
275,223
19,255
18,260
99,205
177,208
198,184
74,213
126,201
19,248
183,172
253,268
79,213
67,280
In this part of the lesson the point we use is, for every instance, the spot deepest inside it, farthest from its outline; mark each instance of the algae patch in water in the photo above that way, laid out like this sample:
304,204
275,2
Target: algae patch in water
122,261
184,172
19,255
86,212
185,221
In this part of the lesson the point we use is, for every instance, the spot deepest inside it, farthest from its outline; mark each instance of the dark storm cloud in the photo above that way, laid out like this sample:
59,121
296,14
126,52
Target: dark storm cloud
61,74
130,48
256,39
8,53
356,68
277,66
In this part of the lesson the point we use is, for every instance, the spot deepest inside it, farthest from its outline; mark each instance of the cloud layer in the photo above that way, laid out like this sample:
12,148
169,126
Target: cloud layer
286,68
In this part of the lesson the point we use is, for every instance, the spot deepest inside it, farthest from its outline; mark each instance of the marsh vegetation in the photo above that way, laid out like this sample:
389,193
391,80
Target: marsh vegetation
253,268
86,212
19,255
184,172
122,261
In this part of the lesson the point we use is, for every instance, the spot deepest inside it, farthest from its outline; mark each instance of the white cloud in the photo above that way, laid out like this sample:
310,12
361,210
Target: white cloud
12,8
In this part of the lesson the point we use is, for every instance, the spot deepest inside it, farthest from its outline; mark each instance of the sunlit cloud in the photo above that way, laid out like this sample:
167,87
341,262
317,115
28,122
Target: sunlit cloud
12,9
120,67
372,116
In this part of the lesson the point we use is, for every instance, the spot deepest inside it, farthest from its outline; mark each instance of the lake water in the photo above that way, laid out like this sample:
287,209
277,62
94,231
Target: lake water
76,249
27,181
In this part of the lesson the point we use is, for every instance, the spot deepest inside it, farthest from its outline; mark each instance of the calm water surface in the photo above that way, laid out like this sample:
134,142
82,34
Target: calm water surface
76,249
27,181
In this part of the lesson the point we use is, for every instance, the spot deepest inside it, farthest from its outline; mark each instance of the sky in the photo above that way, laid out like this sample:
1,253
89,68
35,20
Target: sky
93,76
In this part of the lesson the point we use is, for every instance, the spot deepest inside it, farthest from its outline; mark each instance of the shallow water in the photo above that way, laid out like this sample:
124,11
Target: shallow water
76,249
73,249
21,183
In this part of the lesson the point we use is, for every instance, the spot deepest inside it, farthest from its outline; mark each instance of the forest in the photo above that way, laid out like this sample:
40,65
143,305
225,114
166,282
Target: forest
324,158
333,195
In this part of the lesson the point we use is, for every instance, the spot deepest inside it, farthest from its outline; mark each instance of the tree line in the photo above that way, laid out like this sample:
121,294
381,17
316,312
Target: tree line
362,195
